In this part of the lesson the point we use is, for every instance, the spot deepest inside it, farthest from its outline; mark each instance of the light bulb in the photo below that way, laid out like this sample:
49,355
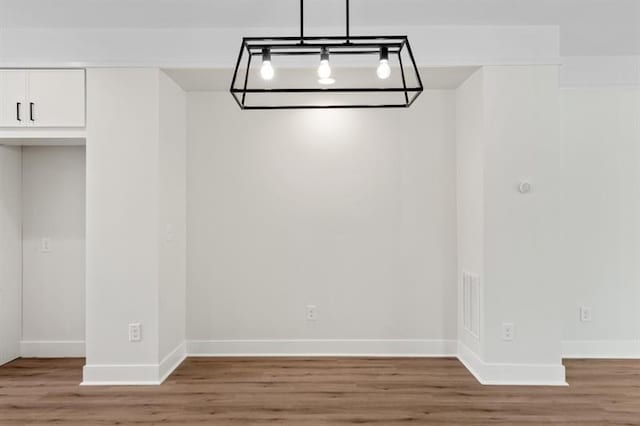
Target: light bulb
266,71
324,70
384,70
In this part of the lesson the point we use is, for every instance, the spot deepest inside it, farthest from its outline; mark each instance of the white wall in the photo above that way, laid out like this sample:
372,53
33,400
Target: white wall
10,252
135,188
470,140
122,222
172,219
53,207
508,132
352,211
524,233
601,128
600,71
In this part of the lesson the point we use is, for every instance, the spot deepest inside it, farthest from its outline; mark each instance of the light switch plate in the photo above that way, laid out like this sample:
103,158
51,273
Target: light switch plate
45,245
135,332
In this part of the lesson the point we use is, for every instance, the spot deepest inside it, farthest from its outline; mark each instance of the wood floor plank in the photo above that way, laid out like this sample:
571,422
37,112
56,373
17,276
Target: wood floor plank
318,391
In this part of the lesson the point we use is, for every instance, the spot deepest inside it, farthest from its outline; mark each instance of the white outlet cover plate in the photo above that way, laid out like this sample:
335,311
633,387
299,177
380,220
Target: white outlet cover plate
312,312
508,332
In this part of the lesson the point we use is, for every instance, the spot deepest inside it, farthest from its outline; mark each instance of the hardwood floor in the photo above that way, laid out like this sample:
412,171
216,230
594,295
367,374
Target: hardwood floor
319,391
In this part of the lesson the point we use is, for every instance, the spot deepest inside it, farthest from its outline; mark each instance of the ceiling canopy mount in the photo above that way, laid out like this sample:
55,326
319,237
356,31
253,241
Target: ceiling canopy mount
351,71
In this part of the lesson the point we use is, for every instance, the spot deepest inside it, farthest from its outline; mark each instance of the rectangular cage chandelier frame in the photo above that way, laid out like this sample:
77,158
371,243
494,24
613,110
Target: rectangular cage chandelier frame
323,46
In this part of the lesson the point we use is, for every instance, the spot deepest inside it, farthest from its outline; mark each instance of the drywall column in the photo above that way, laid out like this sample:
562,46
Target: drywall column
173,220
470,137
524,232
10,252
123,223
518,253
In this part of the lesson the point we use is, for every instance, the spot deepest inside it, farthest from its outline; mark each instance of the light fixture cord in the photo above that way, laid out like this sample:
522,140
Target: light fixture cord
348,32
348,21
301,21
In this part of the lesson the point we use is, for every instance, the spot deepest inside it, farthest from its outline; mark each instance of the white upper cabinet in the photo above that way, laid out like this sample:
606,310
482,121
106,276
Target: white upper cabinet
13,98
56,98
42,98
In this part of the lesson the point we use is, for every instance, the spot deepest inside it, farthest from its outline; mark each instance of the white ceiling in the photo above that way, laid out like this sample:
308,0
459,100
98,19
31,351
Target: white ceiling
587,27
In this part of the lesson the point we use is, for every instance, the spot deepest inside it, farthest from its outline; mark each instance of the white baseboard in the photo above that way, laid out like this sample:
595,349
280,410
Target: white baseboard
614,349
5,359
172,361
133,374
511,374
52,349
485,373
120,375
326,347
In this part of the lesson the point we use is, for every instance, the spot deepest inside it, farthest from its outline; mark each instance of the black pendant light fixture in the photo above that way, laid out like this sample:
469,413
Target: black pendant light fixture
325,72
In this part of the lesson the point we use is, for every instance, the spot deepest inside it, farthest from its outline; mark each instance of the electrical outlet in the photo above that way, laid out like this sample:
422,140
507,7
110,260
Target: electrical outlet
135,332
45,245
585,314
312,312
508,332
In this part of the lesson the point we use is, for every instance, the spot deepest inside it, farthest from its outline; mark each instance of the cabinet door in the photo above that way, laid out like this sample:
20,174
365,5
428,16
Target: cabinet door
56,98
13,98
